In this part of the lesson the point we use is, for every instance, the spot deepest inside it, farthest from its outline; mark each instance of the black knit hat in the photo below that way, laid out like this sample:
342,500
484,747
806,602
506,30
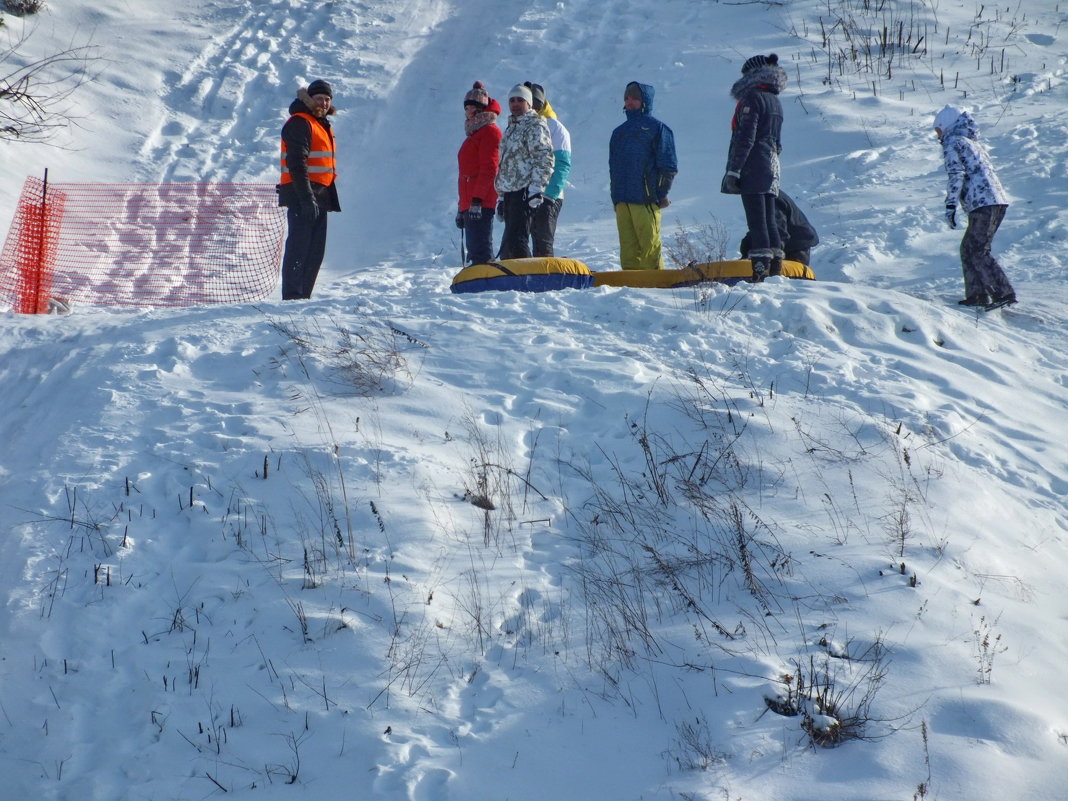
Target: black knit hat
320,87
759,61
537,91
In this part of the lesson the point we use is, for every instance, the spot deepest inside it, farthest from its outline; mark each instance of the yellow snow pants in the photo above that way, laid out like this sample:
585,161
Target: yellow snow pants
639,237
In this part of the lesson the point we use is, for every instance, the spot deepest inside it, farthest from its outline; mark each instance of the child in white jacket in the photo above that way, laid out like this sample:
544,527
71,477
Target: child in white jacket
974,184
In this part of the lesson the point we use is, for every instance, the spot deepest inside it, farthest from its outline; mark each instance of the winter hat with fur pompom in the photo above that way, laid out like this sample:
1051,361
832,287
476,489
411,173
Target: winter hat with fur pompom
759,61
478,95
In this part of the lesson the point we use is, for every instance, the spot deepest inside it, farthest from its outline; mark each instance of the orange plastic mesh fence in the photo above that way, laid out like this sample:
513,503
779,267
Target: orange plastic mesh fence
171,244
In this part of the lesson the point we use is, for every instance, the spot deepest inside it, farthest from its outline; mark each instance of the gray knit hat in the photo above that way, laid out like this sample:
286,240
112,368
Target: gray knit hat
537,94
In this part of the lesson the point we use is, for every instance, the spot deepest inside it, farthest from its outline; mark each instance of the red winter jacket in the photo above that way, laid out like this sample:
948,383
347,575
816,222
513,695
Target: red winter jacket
479,157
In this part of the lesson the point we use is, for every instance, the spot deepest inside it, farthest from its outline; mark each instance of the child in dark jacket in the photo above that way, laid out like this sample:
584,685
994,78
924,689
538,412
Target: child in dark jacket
753,158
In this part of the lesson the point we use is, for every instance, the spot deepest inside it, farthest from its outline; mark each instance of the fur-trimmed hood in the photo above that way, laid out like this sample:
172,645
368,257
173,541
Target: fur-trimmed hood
770,77
303,104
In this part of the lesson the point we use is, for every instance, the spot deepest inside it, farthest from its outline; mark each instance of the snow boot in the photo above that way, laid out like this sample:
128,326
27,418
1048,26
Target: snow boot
775,268
1002,300
761,261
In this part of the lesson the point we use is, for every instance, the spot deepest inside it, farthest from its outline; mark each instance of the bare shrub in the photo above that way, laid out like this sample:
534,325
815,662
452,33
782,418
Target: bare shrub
699,243
35,90
836,696
23,7
695,747
367,359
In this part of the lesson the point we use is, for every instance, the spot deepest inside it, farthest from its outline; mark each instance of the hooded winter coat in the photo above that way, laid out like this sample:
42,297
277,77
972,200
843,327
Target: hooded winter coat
526,154
641,156
972,180
756,130
479,157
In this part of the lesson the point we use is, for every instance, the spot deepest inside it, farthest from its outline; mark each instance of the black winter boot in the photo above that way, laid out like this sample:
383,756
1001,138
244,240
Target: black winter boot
761,261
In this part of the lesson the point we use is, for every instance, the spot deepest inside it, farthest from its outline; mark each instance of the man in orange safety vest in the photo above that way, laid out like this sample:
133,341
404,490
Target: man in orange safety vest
307,188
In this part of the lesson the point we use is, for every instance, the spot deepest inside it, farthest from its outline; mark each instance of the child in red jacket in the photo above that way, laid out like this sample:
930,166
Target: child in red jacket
479,158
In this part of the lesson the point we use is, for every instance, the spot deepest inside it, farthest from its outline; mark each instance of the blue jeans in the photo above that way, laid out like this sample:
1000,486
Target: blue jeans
478,236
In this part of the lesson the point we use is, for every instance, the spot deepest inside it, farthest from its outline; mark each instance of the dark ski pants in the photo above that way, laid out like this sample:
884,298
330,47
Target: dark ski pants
515,244
764,237
982,273
478,234
305,248
543,226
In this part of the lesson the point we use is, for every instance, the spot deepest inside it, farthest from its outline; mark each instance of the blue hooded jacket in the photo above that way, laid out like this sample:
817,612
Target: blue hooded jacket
641,156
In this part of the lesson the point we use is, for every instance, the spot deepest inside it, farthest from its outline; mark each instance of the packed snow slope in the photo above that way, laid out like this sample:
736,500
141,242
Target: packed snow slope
787,542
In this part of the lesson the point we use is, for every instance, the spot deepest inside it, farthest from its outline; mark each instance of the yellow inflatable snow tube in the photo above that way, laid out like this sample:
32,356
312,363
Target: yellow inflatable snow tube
727,272
536,274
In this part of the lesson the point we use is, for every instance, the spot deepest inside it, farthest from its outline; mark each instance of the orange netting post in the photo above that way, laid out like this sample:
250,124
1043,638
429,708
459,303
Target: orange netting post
168,244
35,229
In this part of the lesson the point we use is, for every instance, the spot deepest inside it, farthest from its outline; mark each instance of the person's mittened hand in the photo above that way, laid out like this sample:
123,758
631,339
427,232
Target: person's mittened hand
663,203
309,210
474,211
459,219
534,197
731,184
951,216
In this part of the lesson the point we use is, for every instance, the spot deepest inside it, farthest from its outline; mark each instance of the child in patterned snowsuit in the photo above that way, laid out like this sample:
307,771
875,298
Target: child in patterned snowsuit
974,184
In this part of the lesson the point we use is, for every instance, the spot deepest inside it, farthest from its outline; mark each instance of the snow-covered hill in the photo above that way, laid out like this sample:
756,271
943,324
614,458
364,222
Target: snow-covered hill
247,551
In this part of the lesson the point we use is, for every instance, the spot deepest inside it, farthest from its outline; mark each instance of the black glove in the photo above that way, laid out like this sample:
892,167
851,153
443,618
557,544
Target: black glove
459,219
731,185
500,210
474,211
951,215
309,210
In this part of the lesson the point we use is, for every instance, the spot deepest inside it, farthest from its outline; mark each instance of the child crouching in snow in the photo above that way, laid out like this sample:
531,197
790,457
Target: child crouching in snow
973,182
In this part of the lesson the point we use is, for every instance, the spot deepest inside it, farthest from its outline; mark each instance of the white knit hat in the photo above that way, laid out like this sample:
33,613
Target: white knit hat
945,118
522,91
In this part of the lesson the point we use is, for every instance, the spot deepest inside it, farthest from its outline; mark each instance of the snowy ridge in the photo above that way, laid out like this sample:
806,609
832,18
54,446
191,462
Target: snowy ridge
247,550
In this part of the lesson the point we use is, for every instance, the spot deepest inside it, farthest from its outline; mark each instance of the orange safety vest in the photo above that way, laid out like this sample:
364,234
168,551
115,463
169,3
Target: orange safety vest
320,155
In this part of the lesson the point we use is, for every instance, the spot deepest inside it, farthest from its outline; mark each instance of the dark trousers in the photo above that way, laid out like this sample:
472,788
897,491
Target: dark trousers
478,235
305,248
982,273
515,244
760,218
543,226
